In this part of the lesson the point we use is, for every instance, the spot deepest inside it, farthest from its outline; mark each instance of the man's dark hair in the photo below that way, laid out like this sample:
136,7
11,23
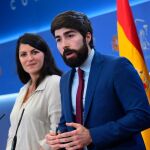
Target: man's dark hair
48,68
74,20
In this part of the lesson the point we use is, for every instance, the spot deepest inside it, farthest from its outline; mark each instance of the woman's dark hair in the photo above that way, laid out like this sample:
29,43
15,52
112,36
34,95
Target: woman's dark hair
74,20
49,67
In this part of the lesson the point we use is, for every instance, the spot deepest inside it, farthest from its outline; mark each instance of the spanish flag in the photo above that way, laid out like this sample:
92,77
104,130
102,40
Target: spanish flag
129,47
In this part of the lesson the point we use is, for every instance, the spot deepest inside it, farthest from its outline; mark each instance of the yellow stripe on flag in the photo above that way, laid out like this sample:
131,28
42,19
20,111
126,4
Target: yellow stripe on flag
127,49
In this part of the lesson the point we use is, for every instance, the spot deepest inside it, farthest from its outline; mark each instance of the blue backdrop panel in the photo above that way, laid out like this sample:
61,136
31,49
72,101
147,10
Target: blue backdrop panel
33,15
6,105
19,16
105,29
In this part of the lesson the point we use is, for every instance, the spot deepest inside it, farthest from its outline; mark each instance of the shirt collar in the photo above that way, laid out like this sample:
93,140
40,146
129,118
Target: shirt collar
87,64
41,86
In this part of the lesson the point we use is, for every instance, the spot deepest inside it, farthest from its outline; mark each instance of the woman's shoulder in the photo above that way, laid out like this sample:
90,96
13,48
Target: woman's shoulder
51,83
52,78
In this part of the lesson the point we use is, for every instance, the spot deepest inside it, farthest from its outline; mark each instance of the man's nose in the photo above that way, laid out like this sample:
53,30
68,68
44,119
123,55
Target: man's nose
65,44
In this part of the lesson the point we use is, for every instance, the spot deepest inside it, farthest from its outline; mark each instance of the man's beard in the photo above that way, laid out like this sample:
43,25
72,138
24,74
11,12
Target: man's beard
81,56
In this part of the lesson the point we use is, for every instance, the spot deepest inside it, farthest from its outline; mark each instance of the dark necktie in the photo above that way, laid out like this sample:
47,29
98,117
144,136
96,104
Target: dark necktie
79,97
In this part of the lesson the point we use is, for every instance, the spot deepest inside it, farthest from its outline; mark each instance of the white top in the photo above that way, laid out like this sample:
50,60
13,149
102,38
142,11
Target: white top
42,113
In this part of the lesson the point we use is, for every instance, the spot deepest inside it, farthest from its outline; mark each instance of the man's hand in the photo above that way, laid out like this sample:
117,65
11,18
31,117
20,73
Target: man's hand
52,140
74,139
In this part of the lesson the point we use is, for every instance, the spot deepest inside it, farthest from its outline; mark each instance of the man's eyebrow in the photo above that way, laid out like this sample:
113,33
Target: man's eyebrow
57,36
68,32
65,33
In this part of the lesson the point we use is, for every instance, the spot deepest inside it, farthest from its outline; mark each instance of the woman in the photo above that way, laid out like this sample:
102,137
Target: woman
37,108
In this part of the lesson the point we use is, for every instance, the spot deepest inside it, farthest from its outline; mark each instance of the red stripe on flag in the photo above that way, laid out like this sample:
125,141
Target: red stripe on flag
126,20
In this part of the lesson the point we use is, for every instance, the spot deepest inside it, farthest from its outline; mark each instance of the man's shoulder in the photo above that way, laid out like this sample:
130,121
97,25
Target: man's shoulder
67,74
112,58
111,62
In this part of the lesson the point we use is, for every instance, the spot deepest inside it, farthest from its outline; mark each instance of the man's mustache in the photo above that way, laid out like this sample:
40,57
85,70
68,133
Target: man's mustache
68,51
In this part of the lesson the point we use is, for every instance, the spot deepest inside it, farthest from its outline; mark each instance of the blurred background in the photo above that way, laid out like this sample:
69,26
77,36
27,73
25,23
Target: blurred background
35,16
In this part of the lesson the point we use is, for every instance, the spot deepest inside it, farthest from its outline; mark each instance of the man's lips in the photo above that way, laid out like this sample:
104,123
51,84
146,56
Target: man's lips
70,54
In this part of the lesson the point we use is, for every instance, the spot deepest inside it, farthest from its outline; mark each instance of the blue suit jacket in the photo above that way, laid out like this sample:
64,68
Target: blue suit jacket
116,107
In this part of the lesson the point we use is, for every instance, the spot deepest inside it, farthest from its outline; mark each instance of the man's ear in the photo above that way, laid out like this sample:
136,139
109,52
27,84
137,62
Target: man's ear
88,37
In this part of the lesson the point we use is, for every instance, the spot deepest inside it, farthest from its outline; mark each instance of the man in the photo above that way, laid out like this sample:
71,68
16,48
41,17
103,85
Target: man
115,106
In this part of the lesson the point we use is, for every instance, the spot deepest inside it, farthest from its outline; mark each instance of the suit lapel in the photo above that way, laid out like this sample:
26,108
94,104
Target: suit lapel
92,81
68,105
